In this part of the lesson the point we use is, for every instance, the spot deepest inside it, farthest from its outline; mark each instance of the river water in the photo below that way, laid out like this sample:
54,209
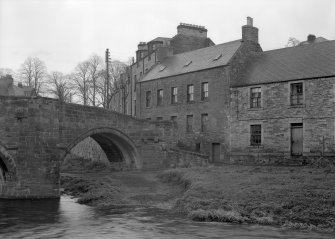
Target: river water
67,219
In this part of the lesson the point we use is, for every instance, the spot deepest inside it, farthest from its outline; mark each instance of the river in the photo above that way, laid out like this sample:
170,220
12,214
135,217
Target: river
67,219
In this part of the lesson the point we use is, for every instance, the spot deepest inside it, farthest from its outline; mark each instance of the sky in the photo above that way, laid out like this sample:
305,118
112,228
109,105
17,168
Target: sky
64,32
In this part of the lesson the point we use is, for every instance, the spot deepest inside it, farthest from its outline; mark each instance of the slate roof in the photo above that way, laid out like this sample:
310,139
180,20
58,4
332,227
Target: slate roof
292,63
201,59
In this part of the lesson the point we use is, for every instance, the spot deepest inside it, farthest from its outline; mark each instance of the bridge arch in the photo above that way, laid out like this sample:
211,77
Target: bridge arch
116,145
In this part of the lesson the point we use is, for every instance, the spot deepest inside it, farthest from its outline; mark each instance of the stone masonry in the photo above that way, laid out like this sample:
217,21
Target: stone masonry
37,133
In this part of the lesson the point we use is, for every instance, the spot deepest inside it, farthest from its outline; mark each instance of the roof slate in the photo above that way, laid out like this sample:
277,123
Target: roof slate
201,59
292,63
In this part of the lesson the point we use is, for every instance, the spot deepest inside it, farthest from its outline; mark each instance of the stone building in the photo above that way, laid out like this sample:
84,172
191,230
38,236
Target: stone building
7,88
192,88
283,105
233,101
149,54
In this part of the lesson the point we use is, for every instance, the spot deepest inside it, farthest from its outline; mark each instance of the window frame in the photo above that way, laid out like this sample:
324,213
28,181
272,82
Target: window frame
190,94
300,97
204,92
204,124
160,97
258,98
174,97
148,97
189,125
256,134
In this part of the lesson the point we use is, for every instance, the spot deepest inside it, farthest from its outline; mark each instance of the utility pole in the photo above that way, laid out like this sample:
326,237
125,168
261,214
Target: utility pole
107,78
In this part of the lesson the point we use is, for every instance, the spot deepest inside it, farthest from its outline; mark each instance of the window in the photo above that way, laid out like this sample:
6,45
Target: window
135,108
174,95
189,123
162,68
148,98
141,74
159,97
190,93
296,94
148,119
174,118
255,135
255,97
204,122
149,57
204,90
159,118
217,57
197,147
187,63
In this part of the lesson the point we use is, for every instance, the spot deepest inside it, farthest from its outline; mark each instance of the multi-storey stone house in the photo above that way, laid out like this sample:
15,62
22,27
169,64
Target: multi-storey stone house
283,105
233,101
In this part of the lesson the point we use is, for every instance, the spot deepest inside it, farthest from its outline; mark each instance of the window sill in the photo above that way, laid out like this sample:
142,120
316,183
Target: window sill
255,109
297,106
255,146
205,100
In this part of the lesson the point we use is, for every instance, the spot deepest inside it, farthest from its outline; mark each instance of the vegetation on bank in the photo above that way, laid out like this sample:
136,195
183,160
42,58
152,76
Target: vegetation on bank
294,197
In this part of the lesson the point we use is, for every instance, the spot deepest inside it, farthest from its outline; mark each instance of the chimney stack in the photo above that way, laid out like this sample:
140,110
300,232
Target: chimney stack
311,38
249,32
192,30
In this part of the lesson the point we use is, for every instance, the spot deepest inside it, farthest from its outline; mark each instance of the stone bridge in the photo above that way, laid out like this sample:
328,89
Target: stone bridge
37,133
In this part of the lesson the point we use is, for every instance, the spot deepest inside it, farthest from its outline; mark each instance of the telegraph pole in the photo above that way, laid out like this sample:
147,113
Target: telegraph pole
107,78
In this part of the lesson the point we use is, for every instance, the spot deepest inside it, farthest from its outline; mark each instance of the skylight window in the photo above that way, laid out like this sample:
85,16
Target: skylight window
217,57
162,68
188,63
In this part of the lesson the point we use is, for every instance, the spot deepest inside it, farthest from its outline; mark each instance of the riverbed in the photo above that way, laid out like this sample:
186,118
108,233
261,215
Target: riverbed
65,218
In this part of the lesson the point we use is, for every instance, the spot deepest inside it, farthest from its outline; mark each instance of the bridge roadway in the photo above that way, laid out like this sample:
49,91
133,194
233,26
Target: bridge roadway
37,133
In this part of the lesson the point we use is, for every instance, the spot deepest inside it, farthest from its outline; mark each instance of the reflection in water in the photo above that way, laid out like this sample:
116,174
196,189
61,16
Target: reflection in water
66,219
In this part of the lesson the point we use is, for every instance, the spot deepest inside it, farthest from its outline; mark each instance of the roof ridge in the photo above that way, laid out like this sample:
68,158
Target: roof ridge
299,46
200,49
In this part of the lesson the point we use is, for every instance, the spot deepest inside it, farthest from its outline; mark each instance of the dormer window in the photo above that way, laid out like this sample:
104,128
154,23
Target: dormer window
217,57
162,68
188,63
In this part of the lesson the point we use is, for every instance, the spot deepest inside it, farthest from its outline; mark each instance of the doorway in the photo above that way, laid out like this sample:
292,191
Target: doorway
216,151
296,139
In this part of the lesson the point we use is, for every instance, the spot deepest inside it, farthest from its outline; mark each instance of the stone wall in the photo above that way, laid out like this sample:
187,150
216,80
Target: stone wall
276,116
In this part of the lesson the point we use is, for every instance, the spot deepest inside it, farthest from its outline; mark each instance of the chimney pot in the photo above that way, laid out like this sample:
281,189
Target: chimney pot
249,21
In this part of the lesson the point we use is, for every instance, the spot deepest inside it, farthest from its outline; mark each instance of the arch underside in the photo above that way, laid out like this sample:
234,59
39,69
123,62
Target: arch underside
117,146
7,165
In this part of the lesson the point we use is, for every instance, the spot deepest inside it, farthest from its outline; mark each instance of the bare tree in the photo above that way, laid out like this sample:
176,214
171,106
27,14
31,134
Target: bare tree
292,42
115,70
81,81
33,72
60,86
95,67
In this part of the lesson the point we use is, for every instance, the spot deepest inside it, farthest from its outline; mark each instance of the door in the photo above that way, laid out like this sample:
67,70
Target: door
215,152
296,139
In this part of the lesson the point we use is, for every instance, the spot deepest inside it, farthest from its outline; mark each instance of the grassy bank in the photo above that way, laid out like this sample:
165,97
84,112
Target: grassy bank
295,197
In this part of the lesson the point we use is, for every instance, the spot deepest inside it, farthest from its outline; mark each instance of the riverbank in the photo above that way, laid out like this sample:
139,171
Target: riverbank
294,197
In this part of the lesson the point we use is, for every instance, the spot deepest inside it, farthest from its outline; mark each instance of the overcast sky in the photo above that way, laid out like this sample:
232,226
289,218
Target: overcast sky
65,32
